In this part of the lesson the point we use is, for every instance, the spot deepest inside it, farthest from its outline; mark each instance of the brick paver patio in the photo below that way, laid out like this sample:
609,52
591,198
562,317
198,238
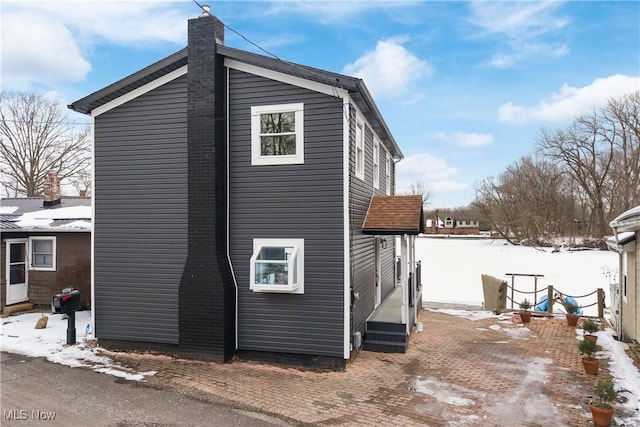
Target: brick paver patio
457,372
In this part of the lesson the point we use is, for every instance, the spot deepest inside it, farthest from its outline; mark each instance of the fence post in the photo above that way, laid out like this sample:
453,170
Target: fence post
513,278
550,299
600,303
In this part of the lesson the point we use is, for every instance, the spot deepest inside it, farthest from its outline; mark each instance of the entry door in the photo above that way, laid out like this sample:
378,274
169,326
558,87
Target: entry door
16,271
377,265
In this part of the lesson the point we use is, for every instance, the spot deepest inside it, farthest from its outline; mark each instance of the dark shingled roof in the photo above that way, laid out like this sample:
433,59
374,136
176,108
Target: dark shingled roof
394,215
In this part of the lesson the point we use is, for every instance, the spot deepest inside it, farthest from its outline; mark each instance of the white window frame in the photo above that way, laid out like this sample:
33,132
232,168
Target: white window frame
32,265
297,255
360,131
376,163
256,153
388,174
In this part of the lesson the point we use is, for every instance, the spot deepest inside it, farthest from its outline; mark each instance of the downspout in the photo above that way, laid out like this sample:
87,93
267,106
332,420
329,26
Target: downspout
619,308
233,273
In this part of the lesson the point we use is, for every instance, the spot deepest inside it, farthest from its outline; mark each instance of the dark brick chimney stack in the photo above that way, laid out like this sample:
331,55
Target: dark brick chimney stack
207,291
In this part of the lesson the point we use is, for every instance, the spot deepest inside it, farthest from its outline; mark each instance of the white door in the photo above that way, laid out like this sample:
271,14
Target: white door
16,271
377,265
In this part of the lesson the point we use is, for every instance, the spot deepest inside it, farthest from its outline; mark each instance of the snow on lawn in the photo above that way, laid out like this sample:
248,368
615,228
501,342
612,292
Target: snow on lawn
452,269
20,336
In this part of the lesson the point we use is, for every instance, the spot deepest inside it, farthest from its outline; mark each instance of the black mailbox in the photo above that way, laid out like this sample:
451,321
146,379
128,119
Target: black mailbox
67,301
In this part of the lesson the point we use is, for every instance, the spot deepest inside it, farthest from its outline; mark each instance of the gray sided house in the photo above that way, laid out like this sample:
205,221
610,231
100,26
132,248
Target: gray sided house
46,246
231,191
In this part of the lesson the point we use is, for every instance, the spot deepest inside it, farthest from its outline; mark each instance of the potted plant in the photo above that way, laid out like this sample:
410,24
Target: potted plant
590,363
602,410
525,314
572,309
590,327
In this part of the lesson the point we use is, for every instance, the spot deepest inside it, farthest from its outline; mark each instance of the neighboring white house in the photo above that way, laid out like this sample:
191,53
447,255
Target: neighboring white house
626,242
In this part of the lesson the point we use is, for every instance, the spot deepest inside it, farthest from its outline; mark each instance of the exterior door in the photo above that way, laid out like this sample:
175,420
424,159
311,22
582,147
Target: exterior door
377,264
16,271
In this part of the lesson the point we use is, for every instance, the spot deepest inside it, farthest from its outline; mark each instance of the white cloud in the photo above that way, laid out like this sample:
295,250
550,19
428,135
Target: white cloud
464,139
472,139
35,48
390,69
432,171
570,102
47,42
520,26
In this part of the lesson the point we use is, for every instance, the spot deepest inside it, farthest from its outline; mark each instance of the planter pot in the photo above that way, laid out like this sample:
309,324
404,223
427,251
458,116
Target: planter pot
572,319
590,337
591,366
525,316
601,417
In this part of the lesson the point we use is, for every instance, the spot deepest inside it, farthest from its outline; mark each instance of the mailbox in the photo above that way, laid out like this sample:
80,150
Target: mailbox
67,301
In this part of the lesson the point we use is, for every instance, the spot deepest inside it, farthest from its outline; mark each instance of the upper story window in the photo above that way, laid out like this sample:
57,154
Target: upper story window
360,149
376,163
277,134
277,265
43,253
388,170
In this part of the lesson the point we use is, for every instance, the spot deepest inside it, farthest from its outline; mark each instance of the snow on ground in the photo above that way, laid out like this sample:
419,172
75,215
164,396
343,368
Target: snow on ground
20,336
452,269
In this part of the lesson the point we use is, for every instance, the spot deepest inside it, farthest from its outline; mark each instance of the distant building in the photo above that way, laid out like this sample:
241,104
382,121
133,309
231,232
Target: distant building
451,225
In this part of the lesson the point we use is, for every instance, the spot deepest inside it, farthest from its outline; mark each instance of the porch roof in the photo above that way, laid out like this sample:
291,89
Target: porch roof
393,215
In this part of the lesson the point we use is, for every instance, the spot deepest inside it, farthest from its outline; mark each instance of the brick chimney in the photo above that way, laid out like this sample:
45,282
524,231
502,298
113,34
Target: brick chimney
207,290
51,189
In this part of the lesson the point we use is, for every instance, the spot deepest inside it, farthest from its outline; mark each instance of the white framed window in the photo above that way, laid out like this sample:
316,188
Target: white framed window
360,149
277,134
376,163
277,265
42,253
388,174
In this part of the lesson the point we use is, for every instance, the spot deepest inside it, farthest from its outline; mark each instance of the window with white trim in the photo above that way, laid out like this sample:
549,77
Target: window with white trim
277,134
360,149
388,173
42,252
277,265
376,163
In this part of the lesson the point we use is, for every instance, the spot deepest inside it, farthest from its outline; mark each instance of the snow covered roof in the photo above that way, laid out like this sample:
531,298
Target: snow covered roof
618,242
627,221
28,214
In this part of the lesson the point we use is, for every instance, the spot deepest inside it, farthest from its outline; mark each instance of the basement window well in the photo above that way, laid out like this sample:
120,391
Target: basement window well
277,265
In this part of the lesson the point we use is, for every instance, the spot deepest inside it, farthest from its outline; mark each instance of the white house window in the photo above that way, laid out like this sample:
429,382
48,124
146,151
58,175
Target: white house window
277,265
43,253
360,150
277,134
376,163
388,174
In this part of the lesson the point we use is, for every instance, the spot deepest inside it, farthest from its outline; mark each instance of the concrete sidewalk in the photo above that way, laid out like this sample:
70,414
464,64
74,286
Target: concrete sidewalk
458,372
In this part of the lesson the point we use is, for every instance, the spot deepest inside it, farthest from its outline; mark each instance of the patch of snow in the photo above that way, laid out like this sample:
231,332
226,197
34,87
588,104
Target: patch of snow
467,314
20,336
8,209
451,394
80,224
44,217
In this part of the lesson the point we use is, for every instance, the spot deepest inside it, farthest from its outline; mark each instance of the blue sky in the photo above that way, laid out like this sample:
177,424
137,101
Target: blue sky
465,87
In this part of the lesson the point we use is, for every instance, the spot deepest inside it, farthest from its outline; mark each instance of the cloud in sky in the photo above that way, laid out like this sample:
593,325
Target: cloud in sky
462,139
430,170
570,102
389,70
48,42
523,26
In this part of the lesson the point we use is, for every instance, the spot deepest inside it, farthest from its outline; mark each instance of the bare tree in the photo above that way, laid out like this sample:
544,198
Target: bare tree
83,182
36,138
420,189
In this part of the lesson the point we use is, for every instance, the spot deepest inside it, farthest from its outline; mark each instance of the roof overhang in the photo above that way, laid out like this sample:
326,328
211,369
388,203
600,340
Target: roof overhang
627,221
394,215
623,242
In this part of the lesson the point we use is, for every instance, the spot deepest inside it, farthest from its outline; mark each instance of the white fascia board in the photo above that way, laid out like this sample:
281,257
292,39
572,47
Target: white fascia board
140,91
286,78
347,229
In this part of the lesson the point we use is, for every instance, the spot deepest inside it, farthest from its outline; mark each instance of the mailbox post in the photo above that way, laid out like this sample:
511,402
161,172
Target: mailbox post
68,302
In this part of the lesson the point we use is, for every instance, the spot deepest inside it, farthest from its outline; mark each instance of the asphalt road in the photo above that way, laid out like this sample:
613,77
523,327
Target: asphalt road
35,392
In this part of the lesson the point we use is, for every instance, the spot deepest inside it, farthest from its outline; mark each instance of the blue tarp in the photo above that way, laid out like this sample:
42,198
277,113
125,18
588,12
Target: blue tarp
543,304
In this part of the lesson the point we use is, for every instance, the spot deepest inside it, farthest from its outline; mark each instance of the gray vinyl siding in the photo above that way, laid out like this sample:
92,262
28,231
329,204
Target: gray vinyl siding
289,201
141,215
362,245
